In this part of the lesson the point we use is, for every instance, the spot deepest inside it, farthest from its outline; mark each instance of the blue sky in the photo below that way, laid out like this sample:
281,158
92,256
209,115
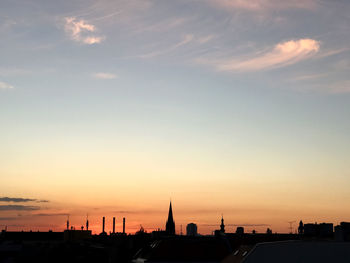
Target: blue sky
226,89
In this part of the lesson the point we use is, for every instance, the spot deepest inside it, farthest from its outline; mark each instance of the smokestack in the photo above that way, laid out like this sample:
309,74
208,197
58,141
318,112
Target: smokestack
113,225
103,224
68,223
123,225
87,223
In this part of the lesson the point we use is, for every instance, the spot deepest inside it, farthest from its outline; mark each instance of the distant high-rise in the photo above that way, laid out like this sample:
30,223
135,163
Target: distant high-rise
191,229
170,224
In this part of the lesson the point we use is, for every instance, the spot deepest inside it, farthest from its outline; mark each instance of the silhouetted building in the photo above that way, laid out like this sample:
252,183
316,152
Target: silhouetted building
113,225
326,229
222,226
318,230
240,230
170,224
310,230
191,229
342,232
301,228
184,249
76,235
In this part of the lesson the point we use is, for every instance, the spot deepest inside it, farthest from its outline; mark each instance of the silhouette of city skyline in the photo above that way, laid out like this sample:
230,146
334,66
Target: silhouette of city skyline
79,244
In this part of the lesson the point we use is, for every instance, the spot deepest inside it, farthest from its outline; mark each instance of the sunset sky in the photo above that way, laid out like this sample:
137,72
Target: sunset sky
233,107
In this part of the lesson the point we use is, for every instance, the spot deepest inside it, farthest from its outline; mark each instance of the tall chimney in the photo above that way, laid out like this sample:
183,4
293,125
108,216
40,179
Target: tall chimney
103,224
123,225
68,223
87,224
113,225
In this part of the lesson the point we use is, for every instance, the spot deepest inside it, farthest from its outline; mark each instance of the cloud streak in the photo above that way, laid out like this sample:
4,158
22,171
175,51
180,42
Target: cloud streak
186,40
81,31
51,214
104,75
18,208
281,55
4,85
260,5
21,200
16,199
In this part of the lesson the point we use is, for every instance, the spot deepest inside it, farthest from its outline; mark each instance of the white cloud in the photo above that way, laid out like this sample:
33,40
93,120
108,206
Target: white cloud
4,85
92,40
80,31
282,54
104,75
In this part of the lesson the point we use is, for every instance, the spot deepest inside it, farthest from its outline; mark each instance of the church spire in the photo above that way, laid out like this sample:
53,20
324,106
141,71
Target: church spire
170,224
170,215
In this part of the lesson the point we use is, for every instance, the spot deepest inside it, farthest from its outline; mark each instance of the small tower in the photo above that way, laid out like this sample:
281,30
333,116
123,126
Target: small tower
103,225
123,225
170,224
301,228
68,222
222,226
87,222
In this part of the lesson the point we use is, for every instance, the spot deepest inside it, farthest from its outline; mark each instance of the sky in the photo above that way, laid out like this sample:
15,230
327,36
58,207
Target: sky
226,107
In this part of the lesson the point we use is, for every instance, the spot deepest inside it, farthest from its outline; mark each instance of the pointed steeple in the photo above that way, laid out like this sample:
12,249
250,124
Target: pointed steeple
170,224
170,215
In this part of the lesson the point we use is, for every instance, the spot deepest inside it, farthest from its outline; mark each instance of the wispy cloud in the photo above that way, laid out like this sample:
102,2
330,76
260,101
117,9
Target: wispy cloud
81,31
51,214
186,39
16,199
4,85
21,200
309,77
163,25
43,201
104,75
281,55
258,5
205,39
340,87
18,208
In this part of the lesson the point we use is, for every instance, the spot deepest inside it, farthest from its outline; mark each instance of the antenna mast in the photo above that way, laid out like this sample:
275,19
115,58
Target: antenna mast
291,226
